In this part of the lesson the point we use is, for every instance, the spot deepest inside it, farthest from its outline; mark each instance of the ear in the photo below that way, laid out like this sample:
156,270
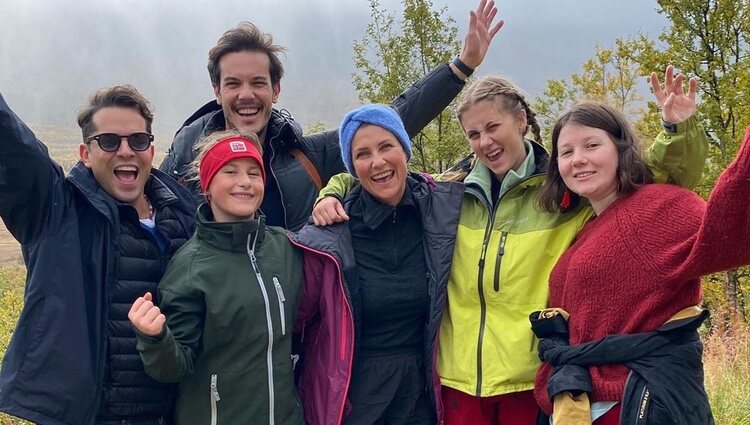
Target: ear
217,91
276,92
523,123
85,155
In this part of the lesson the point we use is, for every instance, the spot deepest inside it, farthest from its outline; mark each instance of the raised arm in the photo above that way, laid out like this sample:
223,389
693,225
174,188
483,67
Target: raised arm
29,180
428,97
679,153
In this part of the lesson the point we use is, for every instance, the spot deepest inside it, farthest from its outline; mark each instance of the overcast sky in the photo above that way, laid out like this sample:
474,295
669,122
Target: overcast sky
53,53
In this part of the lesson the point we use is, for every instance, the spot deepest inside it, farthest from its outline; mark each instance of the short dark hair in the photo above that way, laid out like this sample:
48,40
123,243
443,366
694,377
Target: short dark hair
632,169
245,37
123,96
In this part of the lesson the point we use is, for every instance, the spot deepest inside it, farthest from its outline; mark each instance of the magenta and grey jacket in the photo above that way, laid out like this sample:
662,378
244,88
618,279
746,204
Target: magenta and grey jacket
326,320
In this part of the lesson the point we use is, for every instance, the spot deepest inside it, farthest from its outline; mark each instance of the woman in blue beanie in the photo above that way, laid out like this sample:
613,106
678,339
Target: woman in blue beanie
375,285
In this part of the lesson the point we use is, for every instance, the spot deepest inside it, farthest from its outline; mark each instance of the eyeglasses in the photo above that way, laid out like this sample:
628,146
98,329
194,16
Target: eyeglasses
110,142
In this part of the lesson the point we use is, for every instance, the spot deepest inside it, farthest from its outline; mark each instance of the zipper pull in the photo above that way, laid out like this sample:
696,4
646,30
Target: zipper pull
214,389
279,289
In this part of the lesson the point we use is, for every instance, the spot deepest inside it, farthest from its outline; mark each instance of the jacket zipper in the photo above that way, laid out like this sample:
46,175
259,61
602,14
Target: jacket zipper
492,209
347,308
269,350
482,303
500,253
214,399
282,300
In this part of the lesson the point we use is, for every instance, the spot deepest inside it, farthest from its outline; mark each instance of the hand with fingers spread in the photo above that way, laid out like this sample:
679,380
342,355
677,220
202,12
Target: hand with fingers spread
480,33
146,317
329,211
676,106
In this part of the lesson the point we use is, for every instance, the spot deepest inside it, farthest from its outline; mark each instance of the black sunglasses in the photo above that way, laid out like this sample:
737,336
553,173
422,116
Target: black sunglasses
110,142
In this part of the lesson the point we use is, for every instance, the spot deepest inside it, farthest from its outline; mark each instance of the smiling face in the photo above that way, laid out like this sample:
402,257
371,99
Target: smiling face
245,91
496,136
587,160
122,174
380,163
236,191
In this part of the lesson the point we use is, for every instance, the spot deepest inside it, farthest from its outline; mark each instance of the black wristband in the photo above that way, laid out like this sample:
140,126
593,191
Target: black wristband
466,69
669,126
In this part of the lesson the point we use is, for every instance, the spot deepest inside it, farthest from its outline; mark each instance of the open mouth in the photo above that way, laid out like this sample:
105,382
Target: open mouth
248,112
126,173
495,154
583,174
383,177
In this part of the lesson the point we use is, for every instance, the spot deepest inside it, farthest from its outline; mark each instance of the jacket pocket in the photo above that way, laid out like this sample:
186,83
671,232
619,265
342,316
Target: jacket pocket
282,300
214,399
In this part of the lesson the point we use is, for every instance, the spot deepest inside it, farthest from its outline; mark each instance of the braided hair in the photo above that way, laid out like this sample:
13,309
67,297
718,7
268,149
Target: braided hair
505,94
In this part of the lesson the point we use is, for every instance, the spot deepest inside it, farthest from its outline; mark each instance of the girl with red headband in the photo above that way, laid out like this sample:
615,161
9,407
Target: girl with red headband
227,301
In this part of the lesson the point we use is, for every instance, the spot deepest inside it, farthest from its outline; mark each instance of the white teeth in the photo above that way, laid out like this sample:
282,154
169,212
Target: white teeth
382,175
126,168
248,111
495,153
584,174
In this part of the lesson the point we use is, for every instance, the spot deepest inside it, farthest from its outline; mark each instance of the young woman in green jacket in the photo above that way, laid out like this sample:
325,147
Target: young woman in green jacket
227,302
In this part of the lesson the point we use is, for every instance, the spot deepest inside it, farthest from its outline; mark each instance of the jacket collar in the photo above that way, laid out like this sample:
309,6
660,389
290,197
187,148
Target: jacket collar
373,212
235,236
158,192
282,129
479,180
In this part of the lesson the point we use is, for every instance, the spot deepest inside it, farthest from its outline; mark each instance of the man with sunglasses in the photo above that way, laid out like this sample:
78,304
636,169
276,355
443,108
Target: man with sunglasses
246,72
93,241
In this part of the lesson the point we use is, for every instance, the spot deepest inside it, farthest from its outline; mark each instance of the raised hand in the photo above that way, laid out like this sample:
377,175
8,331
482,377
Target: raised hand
328,211
676,106
480,33
146,317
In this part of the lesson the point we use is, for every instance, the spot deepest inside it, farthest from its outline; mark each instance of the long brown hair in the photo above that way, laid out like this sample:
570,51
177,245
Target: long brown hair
632,170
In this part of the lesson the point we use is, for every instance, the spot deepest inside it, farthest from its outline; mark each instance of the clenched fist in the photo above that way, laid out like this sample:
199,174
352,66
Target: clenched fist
146,317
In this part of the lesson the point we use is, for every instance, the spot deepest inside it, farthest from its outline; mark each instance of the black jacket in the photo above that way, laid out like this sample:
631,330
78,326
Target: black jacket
418,105
69,228
439,205
665,384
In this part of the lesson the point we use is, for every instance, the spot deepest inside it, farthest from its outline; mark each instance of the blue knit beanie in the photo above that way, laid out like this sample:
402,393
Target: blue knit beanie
374,114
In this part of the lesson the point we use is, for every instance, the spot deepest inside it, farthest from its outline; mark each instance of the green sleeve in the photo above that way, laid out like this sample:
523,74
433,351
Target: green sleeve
338,186
679,157
171,356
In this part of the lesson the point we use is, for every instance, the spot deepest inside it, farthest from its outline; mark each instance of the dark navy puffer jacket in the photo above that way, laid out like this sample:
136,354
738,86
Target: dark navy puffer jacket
60,355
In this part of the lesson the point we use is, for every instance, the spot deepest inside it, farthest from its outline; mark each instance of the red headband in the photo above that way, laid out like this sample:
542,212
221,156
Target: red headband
224,151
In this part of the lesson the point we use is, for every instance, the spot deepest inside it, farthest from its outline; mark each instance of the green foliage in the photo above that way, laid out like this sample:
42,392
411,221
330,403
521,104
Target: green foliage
707,39
317,127
395,53
610,76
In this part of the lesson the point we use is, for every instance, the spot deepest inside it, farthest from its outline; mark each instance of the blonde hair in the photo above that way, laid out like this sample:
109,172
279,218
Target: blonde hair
504,94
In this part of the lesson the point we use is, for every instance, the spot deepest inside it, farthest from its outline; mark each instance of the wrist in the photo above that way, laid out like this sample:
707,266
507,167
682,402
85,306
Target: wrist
670,127
463,67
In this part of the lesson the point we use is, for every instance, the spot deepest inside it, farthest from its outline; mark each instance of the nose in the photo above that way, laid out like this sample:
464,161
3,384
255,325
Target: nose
124,149
485,140
246,92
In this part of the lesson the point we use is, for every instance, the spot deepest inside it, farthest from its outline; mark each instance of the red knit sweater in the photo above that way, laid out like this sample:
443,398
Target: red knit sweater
640,261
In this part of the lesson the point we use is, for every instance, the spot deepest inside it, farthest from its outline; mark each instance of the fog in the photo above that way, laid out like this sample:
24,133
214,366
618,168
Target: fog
53,54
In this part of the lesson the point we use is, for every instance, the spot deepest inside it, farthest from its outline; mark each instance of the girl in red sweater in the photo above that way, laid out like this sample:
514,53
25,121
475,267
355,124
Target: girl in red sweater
639,261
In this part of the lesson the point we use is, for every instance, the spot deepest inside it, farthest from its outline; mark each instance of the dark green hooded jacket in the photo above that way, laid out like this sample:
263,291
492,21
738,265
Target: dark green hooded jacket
230,295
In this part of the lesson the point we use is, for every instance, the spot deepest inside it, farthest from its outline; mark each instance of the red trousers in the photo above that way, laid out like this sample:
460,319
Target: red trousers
508,409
